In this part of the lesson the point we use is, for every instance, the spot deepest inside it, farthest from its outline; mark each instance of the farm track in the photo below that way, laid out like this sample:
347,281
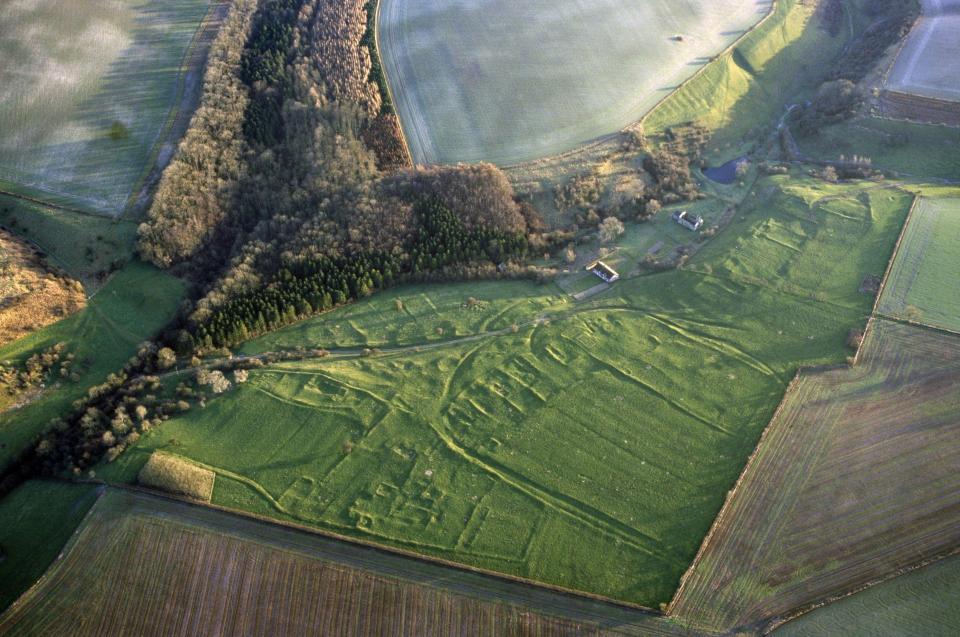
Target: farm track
187,569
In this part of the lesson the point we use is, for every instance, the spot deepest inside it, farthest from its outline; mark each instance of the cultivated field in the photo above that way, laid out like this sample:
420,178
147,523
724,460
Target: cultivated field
85,91
507,81
177,569
473,449
929,63
857,477
923,284
923,602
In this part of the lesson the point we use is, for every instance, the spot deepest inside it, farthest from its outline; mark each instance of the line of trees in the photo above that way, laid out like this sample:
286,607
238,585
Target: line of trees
319,283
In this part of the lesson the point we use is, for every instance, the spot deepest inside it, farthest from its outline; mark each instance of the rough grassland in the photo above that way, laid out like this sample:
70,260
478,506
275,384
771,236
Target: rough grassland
929,63
508,81
177,569
37,520
589,449
856,478
136,303
924,284
85,246
85,90
32,294
908,148
923,602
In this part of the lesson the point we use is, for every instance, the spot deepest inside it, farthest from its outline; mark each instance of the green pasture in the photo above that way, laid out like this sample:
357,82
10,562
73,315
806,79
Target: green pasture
85,91
592,447
136,303
922,285
85,246
507,81
910,149
38,519
751,86
922,602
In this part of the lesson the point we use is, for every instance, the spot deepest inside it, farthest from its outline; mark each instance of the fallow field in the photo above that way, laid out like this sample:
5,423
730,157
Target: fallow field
507,81
923,283
929,63
856,478
177,569
585,445
86,89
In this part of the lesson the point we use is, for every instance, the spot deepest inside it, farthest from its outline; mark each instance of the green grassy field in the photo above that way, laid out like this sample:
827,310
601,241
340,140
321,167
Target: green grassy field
38,519
909,149
85,90
922,602
85,246
130,308
922,285
623,419
173,565
508,81
751,86
855,479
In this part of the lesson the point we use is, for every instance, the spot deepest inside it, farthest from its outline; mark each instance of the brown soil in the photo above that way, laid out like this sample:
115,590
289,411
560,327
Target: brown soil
32,293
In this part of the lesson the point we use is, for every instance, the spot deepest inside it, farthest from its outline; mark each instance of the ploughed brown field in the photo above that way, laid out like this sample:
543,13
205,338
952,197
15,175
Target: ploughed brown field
857,478
144,565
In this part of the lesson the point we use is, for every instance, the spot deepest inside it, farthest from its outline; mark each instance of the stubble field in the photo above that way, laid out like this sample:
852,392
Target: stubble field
506,81
181,569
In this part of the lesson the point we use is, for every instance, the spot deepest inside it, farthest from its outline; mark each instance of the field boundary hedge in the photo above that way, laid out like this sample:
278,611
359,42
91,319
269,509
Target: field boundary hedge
386,78
719,521
886,277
